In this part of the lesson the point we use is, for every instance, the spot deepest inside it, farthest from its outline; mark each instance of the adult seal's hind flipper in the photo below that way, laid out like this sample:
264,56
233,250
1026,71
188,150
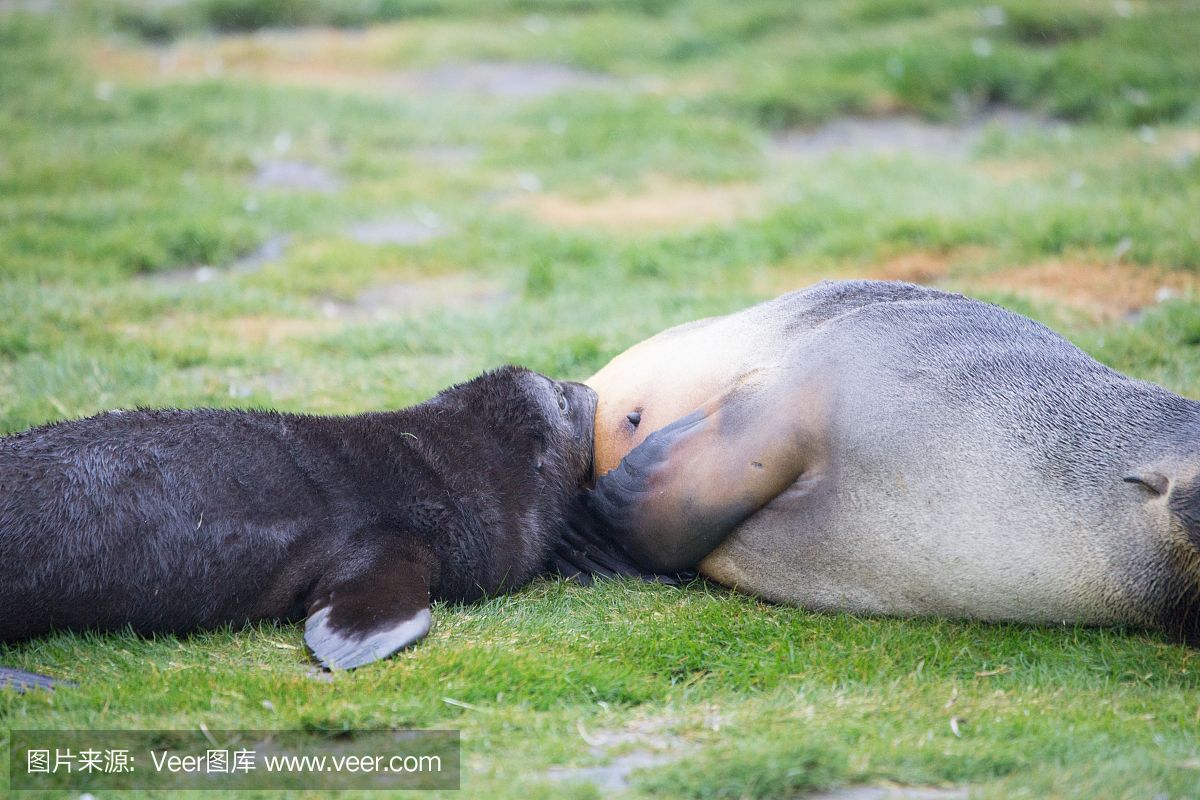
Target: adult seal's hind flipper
22,681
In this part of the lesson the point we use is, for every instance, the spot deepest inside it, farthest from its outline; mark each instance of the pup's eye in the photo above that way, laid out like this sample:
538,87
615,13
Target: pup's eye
634,417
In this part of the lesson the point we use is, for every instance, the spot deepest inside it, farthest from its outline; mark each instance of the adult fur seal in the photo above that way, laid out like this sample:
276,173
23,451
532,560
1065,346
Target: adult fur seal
173,521
890,449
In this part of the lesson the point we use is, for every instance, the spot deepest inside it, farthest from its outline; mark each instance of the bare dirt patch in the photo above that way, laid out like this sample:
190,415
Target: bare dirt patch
319,57
514,80
183,276
29,6
253,331
264,330
398,230
926,267
1005,171
920,266
353,60
275,385
900,135
614,775
891,793
1180,147
461,293
641,744
663,203
1104,292
295,176
447,155
273,249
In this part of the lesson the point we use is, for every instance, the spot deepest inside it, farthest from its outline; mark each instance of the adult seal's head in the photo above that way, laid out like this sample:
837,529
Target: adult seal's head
887,448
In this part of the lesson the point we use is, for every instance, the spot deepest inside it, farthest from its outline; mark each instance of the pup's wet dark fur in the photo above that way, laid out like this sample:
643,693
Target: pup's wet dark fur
184,520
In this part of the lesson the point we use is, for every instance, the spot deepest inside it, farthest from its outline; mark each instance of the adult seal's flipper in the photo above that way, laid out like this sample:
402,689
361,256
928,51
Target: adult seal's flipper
370,614
679,493
22,681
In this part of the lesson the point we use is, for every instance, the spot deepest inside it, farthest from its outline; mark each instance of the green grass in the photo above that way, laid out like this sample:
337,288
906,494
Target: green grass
113,180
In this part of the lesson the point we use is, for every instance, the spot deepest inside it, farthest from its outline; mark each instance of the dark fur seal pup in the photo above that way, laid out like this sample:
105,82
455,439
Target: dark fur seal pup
890,449
173,521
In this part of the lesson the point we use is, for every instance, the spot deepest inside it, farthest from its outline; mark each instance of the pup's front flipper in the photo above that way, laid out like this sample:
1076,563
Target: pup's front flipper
589,548
369,613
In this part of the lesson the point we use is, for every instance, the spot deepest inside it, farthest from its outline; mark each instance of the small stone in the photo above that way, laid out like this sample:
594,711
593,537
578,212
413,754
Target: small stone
295,175
427,216
536,23
316,674
398,231
1136,96
529,182
273,249
993,16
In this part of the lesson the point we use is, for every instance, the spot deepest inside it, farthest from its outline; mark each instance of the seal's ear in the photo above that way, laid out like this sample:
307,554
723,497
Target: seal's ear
1184,502
1153,480
1182,495
360,616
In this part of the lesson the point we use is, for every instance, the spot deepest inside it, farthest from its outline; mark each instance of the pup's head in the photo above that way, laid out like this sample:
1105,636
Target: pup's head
542,428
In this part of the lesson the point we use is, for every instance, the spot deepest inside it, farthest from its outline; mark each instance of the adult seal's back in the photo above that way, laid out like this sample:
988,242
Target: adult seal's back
886,448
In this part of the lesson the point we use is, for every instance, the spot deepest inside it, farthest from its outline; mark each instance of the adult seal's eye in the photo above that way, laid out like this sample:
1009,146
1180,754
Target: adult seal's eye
562,400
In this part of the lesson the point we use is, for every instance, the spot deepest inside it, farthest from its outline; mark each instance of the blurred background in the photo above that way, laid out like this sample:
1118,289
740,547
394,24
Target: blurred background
338,206
332,206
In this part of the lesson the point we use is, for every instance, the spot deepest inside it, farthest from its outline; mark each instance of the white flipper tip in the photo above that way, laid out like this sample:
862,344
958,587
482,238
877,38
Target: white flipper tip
346,650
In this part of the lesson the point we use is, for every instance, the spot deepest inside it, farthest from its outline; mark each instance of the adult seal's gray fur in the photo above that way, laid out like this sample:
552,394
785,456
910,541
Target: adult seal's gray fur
173,521
890,449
